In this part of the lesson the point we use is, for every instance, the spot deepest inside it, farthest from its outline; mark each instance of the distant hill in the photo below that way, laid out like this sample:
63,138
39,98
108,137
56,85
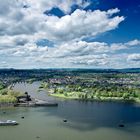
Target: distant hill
126,70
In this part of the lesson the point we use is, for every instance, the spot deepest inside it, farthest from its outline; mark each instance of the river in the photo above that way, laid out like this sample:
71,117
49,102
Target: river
85,120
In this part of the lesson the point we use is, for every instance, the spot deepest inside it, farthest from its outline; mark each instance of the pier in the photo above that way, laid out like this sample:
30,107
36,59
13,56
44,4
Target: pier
27,101
35,103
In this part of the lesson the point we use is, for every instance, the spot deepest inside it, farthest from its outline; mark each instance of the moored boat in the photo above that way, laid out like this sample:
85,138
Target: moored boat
8,122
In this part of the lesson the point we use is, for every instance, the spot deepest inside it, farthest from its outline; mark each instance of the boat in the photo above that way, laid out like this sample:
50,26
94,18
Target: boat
8,122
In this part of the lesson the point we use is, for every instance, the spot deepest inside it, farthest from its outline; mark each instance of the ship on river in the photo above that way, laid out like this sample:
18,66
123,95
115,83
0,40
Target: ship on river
8,122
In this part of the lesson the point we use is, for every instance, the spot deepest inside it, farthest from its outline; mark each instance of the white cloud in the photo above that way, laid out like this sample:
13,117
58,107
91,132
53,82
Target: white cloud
80,24
113,11
91,60
31,23
70,54
134,57
21,27
64,5
4,64
124,46
23,20
81,48
133,42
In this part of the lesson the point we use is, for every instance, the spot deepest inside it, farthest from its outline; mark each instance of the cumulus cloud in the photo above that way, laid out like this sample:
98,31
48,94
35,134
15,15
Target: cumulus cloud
23,23
4,64
64,5
29,50
81,24
134,57
133,42
78,48
31,21
81,48
86,53
123,46
92,60
70,54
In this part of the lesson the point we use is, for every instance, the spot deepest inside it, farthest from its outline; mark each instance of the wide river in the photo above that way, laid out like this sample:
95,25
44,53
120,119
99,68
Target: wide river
86,120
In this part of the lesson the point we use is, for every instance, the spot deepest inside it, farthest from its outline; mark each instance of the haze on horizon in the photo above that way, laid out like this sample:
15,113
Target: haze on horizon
69,34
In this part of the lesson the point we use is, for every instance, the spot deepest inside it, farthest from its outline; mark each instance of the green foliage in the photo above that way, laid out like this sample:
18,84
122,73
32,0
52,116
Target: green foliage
13,93
3,92
65,94
126,96
44,85
88,85
30,81
7,99
1,86
8,96
59,91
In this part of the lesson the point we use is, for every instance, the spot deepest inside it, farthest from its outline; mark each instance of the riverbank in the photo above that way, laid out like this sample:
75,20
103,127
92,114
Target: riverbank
33,103
36,103
136,100
8,97
6,105
12,98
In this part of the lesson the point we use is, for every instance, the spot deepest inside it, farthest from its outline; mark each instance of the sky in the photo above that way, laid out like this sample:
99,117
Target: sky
69,34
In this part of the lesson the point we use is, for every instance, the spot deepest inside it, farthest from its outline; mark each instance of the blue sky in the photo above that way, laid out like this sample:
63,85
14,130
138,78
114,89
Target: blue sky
69,34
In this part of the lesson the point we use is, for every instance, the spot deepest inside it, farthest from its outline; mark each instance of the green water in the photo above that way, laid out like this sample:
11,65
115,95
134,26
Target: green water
86,120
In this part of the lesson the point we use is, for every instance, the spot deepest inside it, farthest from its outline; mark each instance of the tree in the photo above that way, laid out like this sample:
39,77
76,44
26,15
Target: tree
126,96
